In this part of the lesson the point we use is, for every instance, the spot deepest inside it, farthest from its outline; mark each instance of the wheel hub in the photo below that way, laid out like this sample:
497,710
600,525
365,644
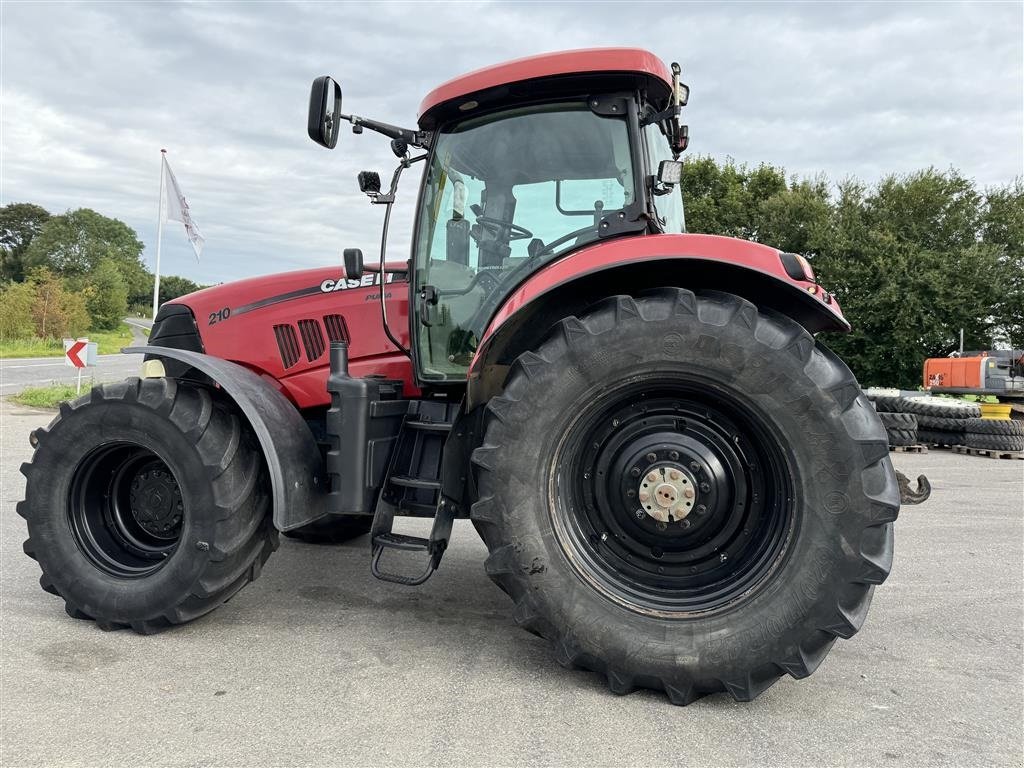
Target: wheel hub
675,496
667,493
156,501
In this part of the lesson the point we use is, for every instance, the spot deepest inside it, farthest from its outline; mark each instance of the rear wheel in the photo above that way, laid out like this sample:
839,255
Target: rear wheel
683,493
147,504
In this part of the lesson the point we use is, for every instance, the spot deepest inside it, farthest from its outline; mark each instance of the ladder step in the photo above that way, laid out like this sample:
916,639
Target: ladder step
401,541
430,426
414,482
412,509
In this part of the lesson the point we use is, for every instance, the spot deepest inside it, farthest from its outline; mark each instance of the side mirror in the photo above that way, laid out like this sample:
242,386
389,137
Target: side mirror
325,117
352,258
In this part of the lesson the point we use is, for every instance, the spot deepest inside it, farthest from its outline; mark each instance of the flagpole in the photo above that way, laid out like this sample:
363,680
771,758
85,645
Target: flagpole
159,234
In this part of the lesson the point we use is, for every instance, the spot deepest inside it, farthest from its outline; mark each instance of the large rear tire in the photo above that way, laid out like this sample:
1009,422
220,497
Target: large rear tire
713,404
147,504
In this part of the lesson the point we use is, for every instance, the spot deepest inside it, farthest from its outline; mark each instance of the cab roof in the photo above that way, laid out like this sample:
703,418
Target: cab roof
565,70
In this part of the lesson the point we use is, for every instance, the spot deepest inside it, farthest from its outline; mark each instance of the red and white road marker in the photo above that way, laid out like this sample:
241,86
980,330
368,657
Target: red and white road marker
79,353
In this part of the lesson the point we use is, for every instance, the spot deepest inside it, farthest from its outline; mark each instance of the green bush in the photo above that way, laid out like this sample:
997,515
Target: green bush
58,312
17,301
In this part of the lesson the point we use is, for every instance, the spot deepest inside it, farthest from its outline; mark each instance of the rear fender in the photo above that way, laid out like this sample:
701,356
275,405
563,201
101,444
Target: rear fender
630,266
298,484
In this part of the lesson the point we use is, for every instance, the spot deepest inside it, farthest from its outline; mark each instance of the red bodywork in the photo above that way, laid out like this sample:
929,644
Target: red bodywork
623,251
247,321
280,326
547,65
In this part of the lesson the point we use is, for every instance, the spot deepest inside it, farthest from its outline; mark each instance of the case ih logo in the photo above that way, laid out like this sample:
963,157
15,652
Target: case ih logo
341,284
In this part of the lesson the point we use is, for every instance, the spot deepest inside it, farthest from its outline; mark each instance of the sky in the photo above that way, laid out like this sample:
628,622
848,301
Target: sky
92,91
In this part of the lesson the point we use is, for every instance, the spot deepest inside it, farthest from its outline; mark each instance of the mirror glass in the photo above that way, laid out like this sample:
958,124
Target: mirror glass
324,122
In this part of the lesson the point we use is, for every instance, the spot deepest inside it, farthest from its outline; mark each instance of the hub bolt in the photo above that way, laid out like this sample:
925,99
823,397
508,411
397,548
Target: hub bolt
688,493
631,493
644,495
673,475
652,477
635,472
694,466
701,509
674,455
652,456
686,523
705,487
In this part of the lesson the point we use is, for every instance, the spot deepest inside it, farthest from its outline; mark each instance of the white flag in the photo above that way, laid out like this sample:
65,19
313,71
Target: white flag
176,209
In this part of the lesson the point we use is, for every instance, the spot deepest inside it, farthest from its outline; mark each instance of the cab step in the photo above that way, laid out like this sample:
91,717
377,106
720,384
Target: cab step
413,489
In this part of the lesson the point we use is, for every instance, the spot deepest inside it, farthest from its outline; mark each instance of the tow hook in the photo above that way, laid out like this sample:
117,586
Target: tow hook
910,496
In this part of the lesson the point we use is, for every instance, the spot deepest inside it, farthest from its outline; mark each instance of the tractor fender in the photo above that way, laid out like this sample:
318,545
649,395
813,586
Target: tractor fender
632,265
298,485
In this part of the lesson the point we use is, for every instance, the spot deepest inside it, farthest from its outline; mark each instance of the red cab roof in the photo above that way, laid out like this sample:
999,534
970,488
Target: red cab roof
625,60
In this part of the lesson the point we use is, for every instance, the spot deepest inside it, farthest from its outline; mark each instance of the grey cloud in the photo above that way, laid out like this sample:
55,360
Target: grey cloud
91,92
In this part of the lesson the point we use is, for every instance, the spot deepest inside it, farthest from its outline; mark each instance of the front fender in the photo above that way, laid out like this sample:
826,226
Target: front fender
634,264
298,485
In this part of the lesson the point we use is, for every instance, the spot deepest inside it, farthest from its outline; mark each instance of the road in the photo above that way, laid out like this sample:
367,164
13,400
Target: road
317,663
20,372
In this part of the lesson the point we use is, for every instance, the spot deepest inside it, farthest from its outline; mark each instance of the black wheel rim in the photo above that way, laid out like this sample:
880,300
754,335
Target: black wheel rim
126,510
718,514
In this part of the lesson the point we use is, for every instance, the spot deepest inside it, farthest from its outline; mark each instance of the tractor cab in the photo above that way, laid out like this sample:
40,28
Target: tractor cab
525,162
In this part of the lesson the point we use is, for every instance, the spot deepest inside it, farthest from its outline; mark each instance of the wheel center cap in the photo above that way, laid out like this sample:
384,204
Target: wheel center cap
667,493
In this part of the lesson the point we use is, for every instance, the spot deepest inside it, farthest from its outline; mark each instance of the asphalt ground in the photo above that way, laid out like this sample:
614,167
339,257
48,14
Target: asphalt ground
317,663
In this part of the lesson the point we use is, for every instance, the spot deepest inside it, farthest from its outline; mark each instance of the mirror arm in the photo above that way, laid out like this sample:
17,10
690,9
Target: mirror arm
420,139
381,267
387,198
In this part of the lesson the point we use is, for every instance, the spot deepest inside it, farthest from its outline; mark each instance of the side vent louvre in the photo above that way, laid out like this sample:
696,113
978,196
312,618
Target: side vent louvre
288,344
336,328
312,339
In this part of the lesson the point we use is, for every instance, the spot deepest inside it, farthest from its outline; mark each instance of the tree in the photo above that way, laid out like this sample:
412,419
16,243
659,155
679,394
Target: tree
106,296
1003,226
73,245
173,286
725,199
911,261
19,224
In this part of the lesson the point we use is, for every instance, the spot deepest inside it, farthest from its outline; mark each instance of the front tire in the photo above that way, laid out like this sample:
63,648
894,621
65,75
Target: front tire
769,431
147,504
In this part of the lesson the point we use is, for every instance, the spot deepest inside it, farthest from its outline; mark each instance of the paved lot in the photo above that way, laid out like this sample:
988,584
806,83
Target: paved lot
317,663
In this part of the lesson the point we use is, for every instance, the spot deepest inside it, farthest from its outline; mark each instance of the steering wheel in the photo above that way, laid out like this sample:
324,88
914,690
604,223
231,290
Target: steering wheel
497,226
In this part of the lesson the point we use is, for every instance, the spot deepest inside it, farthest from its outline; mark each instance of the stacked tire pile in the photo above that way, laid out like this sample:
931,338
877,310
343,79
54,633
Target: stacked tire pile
942,420
994,434
900,425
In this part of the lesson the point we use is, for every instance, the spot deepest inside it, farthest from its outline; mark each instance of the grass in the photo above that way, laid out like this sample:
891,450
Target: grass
48,397
108,343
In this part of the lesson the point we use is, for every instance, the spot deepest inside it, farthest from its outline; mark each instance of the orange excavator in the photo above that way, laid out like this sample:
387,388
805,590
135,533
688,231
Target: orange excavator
997,372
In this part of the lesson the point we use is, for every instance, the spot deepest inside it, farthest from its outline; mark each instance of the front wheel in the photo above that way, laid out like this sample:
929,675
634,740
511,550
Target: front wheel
684,493
147,504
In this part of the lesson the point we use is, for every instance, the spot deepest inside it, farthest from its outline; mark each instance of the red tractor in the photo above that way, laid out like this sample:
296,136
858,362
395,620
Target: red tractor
678,486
